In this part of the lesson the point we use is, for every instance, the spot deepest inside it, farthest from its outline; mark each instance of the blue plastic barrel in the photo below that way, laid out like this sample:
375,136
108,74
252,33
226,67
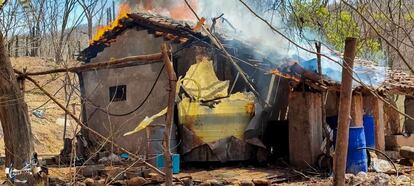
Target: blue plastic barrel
369,128
357,159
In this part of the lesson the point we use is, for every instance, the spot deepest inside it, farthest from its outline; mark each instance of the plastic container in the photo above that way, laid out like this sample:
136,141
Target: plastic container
155,138
357,159
369,129
159,162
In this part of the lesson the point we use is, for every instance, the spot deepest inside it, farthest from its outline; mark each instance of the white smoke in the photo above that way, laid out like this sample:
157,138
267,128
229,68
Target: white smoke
258,34
254,32
249,28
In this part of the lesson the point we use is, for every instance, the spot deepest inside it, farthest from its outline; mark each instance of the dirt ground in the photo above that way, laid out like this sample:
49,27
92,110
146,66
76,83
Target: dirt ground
228,175
47,122
237,174
234,175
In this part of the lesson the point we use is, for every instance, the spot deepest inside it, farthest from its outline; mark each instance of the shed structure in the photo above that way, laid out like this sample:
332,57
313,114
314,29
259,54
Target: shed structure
118,98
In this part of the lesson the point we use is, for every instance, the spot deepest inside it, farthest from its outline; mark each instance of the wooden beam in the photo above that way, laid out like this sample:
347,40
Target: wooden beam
305,128
332,103
357,111
378,112
395,142
142,59
295,67
341,149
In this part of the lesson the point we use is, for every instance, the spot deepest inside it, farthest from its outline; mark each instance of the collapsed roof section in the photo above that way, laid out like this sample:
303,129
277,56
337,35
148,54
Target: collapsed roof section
398,82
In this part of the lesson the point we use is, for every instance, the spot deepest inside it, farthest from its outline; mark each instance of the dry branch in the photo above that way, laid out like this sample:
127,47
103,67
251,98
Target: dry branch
381,36
142,59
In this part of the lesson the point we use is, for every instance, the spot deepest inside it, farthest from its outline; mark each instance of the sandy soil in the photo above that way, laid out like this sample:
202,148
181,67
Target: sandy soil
235,174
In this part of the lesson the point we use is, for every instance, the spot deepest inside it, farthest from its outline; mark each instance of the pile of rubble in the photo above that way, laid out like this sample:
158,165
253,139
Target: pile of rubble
138,176
379,179
95,175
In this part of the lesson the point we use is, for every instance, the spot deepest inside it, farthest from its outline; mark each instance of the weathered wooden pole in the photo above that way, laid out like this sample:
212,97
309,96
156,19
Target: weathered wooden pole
318,46
172,77
344,116
378,113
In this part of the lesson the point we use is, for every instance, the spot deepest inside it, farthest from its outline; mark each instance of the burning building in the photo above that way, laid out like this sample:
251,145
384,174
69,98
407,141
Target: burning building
119,98
218,119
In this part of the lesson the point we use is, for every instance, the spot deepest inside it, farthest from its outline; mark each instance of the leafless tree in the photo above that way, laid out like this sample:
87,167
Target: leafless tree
61,22
91,9
392,23
10,22
34,15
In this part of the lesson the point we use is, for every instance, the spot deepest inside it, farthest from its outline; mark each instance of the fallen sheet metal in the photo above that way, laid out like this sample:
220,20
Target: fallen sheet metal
213,130
202,83
229,117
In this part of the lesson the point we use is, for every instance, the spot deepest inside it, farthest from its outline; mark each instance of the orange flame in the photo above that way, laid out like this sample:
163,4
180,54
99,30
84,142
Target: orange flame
177,11
124,9
286,76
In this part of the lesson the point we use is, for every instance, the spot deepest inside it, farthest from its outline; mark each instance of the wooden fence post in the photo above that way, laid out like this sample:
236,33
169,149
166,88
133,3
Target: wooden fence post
344,116
172,77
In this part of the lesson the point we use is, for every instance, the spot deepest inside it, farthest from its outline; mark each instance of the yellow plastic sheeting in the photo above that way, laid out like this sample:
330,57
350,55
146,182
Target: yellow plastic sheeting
204,82
213,122
146,122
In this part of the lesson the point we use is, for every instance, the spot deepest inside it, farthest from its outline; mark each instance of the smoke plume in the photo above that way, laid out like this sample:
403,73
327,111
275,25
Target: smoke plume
238,23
